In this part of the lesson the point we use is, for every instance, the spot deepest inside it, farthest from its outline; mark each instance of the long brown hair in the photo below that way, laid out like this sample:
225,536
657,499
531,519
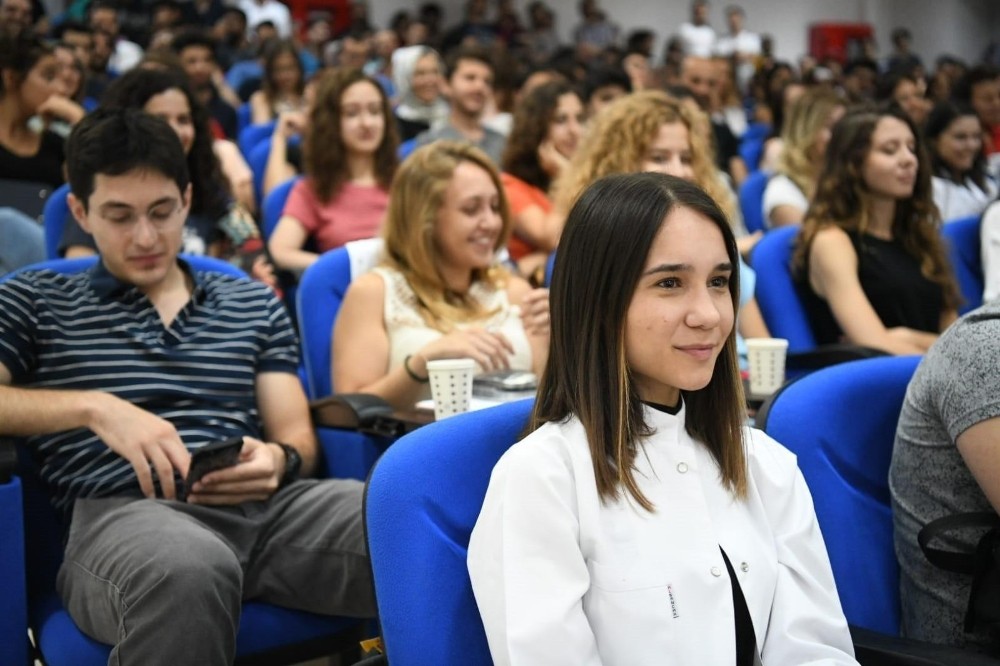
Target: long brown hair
601,256
532,119
842,197
415,202
324,158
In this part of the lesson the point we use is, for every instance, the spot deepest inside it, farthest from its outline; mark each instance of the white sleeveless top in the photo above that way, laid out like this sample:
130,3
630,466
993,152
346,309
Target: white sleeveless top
408,332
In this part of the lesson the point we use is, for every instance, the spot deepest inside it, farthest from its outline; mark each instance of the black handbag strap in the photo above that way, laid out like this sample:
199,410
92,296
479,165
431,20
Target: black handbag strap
746,639
950,560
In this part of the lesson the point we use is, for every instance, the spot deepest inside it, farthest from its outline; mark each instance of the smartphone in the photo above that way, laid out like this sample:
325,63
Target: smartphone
211,457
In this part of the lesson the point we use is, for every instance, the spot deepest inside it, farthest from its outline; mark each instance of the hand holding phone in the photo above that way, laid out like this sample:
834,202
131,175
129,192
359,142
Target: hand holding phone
211,457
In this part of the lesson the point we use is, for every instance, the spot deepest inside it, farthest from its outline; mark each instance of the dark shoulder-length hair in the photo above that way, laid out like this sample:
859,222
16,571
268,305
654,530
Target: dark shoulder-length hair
602,253
842,198
324,158
532,119
941,117
271,55
210,194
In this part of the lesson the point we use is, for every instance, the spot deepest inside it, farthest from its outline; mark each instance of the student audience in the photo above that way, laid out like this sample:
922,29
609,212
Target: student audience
944,463
349,157
605,533
804,137
701,78
989,236
283,84
440,291
30,88
469,86
962,185
171,563
416,73
548,126
869,262
214,226
196,51
980,89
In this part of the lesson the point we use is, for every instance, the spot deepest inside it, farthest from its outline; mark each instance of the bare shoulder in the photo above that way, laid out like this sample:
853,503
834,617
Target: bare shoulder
367,287
831,248
517,288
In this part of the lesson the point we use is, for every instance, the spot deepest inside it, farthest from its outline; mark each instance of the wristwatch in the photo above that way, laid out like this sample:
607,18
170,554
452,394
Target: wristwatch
293,464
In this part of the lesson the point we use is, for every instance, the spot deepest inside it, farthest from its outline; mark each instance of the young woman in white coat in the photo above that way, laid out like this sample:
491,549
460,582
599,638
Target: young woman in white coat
616,532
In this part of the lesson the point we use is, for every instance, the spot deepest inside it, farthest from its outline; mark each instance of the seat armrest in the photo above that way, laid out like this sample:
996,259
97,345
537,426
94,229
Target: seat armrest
8,459
13,580
874,649
826,355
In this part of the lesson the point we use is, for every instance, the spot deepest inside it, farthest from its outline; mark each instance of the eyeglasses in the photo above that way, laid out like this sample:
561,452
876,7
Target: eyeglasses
161,216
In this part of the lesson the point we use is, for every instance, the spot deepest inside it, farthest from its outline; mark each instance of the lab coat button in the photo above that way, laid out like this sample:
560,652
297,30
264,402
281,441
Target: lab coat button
682,468
716,571
744,567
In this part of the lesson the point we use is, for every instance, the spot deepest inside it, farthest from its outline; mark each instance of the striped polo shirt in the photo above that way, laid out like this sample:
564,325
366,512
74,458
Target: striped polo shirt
90,331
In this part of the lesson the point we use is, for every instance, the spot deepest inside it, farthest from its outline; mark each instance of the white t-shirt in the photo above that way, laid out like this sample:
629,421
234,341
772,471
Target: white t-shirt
781,191
989,235
955,201
745,43
698,40
271,10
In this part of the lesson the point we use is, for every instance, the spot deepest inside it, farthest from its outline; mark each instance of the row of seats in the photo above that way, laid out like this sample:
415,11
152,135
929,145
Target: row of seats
425,492
783,311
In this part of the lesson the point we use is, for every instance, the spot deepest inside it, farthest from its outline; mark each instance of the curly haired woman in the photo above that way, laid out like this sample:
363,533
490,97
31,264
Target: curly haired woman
548,125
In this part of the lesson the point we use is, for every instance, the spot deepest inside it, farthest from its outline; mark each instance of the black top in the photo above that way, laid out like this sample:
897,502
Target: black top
893,284
45,166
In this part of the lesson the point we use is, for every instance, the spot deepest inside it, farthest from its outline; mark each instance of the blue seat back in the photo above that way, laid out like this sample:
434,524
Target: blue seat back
252,135
751,150
320,295
257,161
775,290
964,245
422,500
243,116
751,198
841,423
54,219
274,206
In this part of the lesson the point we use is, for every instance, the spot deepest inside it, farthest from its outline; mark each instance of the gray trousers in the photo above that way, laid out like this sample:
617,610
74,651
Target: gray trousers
163,581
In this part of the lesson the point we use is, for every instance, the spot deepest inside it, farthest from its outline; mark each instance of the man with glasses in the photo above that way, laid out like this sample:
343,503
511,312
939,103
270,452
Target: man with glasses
116,375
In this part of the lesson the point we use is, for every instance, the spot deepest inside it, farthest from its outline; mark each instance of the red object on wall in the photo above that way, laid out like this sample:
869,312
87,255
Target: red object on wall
339,10
840,41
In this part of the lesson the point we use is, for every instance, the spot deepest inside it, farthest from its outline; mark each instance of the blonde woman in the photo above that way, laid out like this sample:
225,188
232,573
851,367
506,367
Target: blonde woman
805,135
439,293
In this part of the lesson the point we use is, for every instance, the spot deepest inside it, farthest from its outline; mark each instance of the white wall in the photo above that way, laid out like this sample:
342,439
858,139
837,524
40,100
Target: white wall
959,27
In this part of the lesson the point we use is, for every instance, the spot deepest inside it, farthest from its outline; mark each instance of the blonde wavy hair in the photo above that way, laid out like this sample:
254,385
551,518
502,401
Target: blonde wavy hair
800,133
620,138
415,201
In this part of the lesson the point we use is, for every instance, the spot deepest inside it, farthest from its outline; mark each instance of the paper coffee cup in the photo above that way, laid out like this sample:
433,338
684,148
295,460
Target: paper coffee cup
766,358
451,385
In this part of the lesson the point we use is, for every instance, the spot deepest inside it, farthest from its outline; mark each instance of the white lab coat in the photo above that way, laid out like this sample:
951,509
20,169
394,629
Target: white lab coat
562,578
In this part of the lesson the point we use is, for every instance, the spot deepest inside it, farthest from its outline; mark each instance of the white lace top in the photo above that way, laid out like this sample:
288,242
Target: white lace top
408,331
